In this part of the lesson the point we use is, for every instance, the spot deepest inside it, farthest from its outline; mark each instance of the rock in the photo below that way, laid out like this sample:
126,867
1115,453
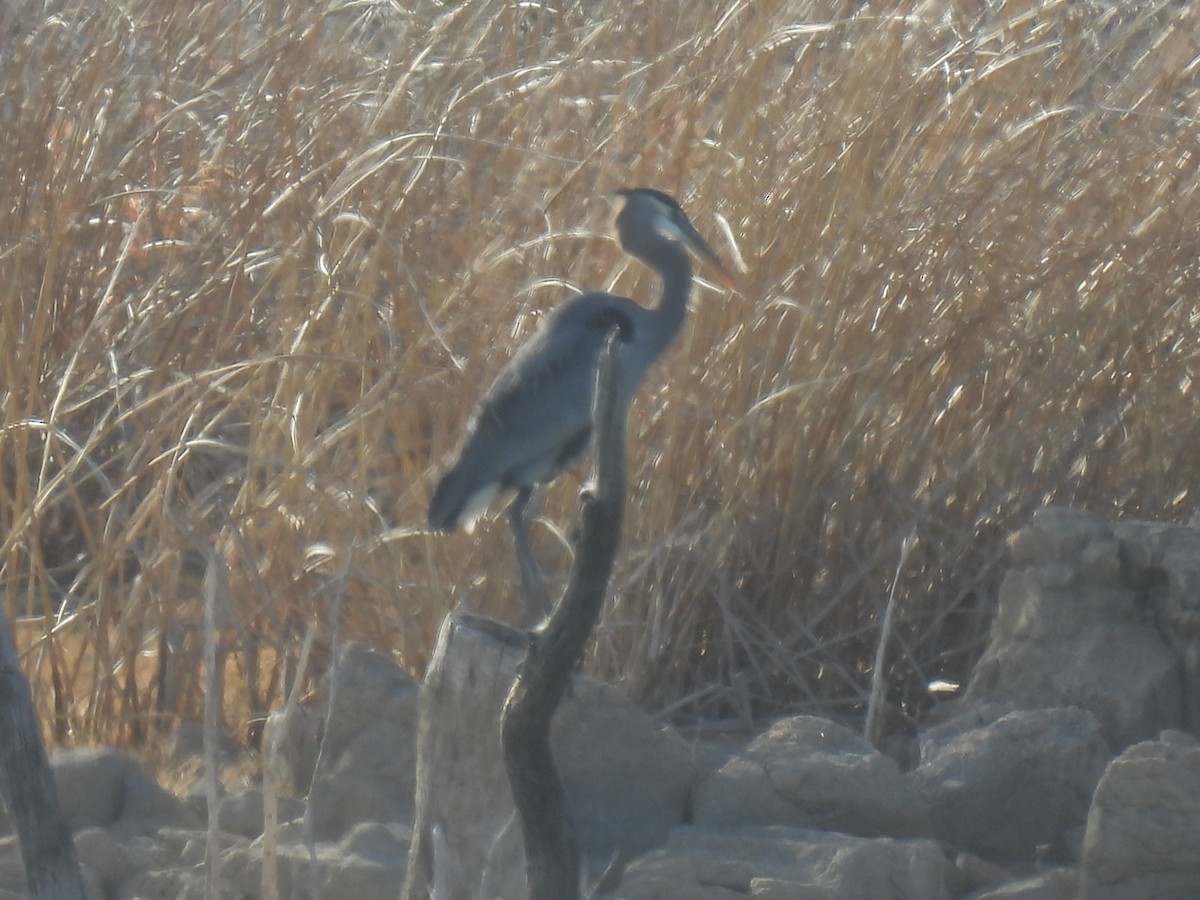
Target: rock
242,813
627,777
340,876
373,718
777,889
370,780
1162,562
12,874
369,755
1143,830
1007,787
973,872
173,884
1056,884
774,861
113,862
813,773
380,843
99,787
367,686
1075,624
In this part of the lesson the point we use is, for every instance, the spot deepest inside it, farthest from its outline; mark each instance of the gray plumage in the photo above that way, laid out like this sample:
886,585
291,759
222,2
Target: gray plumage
535,419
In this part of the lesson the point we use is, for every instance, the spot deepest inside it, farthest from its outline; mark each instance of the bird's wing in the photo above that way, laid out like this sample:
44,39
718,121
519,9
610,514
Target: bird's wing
541,400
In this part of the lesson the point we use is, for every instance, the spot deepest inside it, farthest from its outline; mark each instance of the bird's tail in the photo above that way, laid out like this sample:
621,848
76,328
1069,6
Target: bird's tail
446,503
456,501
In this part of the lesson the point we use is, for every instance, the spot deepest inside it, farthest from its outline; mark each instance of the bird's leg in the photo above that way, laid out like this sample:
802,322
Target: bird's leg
535,597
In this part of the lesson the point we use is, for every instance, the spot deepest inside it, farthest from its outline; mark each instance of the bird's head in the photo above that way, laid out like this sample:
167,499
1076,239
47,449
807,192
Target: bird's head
649,218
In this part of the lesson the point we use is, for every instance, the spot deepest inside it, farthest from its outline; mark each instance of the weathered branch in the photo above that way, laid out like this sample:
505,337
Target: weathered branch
551,846
27,784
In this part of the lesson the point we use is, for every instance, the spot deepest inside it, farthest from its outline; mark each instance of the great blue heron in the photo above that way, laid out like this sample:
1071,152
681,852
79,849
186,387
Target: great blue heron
536,418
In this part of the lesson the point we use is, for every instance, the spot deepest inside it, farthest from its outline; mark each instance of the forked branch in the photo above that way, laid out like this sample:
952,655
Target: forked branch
551,846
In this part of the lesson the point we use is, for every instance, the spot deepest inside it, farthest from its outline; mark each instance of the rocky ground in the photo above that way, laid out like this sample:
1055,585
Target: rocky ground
1069,768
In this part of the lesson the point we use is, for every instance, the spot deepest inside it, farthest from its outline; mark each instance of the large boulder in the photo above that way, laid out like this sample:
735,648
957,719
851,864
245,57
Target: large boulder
1008,787
812,773
1098,616
1143,831
106,787
627,777
368,749
703,863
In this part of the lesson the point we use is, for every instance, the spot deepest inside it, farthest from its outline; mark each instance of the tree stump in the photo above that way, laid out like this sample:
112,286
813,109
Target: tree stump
466,839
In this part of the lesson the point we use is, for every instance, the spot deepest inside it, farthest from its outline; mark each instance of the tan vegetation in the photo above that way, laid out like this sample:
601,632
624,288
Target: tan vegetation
258,258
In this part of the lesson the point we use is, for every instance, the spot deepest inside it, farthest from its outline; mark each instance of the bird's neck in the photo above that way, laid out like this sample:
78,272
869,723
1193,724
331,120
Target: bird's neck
675,270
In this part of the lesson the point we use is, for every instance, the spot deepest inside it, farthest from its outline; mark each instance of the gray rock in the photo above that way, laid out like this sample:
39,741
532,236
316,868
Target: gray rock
370,693
195,798
340,876
1055,884
1076,623
1143,830
810,772
1005,788
627,777
115,862
369,754
242,813
369,687
775,861
371,780
385,844
12,875
778,889
1162,563
101,787
173,884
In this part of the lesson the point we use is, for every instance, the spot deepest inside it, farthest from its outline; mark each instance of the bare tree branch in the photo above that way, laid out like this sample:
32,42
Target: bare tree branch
551,845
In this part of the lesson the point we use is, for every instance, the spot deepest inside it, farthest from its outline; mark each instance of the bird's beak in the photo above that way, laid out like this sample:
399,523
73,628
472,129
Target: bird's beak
700,247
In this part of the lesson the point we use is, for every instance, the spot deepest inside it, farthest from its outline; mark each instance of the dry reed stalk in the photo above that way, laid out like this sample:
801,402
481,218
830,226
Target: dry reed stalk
271,774
216,593
873,721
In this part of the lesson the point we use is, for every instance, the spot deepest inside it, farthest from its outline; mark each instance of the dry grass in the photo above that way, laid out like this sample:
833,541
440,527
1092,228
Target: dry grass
257,262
